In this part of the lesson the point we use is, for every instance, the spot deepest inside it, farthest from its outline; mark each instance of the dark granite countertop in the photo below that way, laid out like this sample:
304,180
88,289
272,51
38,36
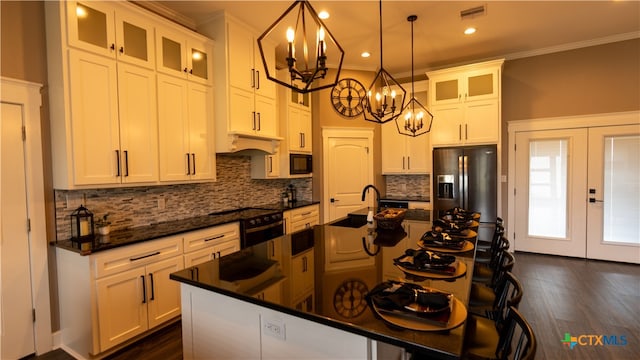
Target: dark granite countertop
340,255
424,198
155,231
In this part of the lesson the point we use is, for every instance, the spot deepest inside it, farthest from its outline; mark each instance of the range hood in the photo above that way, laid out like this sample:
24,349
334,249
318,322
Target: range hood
234,142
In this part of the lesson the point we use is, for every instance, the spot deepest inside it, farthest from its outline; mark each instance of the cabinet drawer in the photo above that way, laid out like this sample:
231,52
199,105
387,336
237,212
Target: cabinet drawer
419,205
200,239
129,257
306,212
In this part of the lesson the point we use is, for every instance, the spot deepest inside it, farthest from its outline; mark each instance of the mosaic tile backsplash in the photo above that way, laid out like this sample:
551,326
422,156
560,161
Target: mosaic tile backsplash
408,185
138,206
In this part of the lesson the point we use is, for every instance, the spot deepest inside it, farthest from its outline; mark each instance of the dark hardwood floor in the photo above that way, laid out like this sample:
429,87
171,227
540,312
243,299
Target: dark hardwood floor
561,295
580,297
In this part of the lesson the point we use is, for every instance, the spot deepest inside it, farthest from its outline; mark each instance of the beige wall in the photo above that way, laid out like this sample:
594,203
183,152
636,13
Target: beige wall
324,115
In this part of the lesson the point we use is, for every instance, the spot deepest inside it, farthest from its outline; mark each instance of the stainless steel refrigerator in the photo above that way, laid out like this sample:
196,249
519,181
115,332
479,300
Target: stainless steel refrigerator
466,177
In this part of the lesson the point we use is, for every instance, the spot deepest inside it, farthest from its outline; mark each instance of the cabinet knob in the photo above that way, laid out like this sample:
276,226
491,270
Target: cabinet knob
112,47
121,49
185,69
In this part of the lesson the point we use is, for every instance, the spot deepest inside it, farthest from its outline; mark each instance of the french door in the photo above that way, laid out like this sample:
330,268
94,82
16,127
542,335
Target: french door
613,207
577,192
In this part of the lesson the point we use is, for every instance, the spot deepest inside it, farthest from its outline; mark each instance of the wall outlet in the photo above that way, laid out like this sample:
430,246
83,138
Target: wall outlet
74,200
275,328
162,203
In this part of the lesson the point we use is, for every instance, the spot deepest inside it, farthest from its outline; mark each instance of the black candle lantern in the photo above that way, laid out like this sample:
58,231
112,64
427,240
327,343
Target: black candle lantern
81,223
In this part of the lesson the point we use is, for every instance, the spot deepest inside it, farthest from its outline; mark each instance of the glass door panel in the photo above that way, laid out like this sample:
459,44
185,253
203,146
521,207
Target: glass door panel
613,229
550,207
199,63
135,41
548,160
622,189
92,25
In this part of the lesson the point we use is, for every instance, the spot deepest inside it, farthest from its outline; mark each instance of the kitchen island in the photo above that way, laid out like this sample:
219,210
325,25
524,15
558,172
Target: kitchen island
303,296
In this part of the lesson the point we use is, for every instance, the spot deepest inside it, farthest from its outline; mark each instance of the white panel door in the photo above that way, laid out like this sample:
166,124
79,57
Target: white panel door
550,206
348,171
613,210
15,296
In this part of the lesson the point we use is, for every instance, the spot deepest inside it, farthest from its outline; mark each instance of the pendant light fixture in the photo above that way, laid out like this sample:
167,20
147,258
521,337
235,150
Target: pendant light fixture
304,46
385,98
415,119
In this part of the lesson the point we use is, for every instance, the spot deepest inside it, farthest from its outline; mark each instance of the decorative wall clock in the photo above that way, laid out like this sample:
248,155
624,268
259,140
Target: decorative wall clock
348,299
347,97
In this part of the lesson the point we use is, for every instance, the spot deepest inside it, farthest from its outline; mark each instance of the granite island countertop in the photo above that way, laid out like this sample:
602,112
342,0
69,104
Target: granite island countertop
155,231
343,257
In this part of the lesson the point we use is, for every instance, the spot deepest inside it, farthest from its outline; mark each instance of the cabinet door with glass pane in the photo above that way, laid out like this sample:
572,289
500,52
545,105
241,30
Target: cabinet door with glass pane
110,30
91,26
178,54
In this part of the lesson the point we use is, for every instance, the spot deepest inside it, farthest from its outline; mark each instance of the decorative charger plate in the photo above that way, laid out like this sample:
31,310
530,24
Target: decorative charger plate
414,322
461,270
467,246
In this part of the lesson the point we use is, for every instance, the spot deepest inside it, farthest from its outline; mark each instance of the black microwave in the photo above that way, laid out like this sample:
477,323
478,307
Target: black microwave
300,164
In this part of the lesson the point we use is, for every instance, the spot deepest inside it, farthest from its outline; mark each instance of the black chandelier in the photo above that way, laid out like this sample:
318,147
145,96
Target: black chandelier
414,115
385,98
303,46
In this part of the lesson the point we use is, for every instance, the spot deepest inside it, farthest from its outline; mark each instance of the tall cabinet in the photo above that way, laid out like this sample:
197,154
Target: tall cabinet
245,102
102,69
465,101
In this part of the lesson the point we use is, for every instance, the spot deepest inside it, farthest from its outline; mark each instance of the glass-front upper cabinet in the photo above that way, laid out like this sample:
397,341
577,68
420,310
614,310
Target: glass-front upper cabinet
110,31
470,86
183,56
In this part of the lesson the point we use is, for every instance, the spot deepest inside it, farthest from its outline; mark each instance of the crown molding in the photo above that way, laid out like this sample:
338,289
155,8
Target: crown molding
575,45
166,13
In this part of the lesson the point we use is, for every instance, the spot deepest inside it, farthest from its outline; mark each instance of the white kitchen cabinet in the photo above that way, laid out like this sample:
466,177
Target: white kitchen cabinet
131,302
299,129
301,218
210,243
265,166
245,104
114,295
111,30
112,111
104,99
415,230
183,55
302,274
465,103
185,130
403,154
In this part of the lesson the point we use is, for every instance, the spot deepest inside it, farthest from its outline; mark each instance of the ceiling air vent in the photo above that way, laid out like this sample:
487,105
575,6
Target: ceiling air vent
473,12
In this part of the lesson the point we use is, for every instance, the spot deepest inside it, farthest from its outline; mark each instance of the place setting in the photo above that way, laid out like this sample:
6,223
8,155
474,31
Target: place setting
414,307
423,264
453,233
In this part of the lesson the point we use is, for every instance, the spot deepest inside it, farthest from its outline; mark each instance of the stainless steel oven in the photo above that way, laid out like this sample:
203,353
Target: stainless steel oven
259,225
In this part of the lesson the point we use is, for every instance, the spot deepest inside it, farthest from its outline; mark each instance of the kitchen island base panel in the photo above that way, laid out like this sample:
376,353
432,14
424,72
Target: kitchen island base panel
219,326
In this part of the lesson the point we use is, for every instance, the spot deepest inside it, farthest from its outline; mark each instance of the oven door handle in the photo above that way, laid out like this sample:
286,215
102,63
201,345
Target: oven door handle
263,227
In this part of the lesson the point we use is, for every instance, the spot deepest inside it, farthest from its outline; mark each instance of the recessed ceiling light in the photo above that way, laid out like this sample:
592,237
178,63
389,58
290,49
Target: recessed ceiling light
323,14
365,54
469,30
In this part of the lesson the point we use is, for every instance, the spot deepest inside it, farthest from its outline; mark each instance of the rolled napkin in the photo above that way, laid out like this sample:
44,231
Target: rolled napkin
442,239
458,213
399,296
424,260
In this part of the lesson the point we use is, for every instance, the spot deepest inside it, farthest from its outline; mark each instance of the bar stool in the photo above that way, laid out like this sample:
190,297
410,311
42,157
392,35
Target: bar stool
483,296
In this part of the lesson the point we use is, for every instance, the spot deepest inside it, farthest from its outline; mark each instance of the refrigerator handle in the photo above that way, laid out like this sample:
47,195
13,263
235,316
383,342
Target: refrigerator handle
461,181
465,198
